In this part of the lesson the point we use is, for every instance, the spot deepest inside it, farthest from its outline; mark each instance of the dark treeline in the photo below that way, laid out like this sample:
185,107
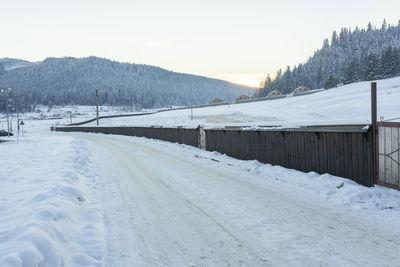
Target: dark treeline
350,56
66,81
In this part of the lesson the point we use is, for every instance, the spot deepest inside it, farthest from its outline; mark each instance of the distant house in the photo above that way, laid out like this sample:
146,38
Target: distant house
242,97
300,90
274,93
216,100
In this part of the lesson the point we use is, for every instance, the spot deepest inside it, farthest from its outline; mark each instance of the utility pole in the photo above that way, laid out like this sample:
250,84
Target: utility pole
97,106
16,106
8,120
17,109
191,107
374,132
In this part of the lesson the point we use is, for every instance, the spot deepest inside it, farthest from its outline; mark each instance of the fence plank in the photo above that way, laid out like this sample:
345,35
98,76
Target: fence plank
388,149
366,153
267,147
325,156
301,152
395,146
382,158
313,165
289,153
309,151
346,154
354,155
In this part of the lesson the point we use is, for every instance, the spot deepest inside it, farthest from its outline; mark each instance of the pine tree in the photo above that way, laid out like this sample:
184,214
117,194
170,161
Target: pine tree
2,69
352,72
325,44
369,27
396,62
334,40
372,67
384,25
331,82
388,63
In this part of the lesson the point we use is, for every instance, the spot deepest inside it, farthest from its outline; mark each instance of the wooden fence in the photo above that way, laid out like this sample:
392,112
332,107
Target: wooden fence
344,151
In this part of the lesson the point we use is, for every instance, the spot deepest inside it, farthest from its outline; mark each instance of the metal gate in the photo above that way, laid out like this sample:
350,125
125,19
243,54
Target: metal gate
388,154
386,147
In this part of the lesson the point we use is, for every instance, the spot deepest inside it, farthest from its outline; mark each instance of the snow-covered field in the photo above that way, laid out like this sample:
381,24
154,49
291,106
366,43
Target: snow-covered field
349,104
96,200
66,114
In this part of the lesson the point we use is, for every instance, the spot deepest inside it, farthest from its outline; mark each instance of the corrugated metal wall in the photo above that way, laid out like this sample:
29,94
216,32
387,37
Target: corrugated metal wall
345,153
178,135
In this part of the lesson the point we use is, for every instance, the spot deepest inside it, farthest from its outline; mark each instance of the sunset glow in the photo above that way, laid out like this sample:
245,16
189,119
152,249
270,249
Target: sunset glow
252,80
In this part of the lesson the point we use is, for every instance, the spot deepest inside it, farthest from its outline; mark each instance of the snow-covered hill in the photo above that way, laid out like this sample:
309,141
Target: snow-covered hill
349,104
12,63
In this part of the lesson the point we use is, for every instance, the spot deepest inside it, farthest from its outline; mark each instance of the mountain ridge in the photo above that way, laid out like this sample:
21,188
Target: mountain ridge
70,80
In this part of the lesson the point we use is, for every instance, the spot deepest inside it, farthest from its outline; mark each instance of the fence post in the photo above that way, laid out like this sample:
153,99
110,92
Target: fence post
201,137
374,132
97,107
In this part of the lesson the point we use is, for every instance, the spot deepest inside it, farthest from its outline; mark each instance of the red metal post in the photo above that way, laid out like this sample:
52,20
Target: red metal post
374,132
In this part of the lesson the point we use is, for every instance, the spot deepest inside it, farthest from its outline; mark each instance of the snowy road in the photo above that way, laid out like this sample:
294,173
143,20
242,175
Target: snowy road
164,207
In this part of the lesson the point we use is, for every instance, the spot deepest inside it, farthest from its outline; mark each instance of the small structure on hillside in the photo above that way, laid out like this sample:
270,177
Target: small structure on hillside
216,101
274,93
300,90
242,97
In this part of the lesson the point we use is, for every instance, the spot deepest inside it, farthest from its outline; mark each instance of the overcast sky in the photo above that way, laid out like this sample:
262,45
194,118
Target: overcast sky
239,41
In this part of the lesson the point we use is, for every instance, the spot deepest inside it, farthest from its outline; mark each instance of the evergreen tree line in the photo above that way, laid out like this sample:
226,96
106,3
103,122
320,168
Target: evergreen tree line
350,56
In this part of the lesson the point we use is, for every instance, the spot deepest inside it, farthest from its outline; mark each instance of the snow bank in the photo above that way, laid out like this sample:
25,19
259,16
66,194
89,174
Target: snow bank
50,213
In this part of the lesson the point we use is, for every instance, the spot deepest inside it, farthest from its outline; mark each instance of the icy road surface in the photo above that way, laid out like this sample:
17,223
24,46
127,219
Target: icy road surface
163,207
